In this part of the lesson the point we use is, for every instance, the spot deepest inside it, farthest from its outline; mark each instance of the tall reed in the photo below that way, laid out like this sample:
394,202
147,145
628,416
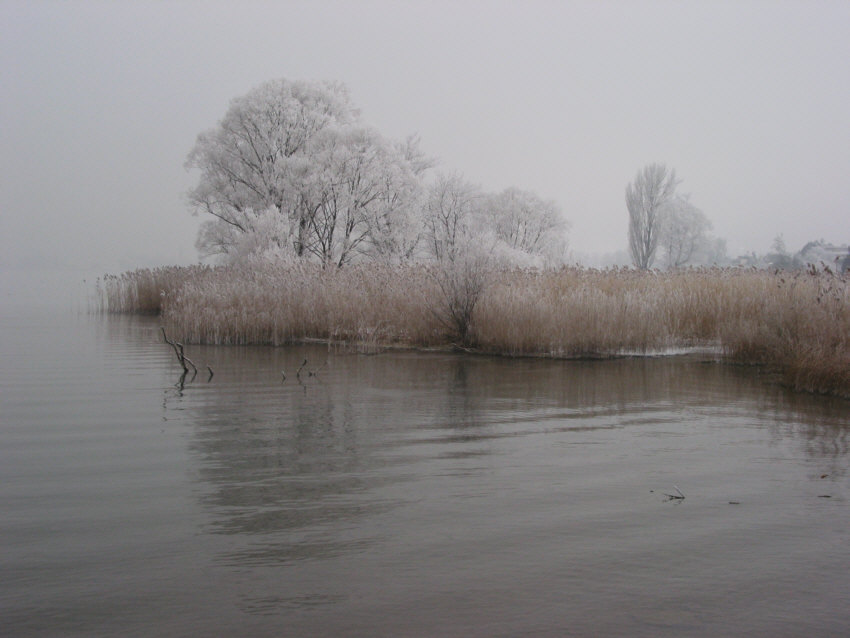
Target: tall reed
262,303
798,325
143,291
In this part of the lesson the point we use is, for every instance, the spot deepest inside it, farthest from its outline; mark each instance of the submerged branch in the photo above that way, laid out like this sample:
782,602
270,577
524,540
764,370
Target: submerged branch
680,497
184,361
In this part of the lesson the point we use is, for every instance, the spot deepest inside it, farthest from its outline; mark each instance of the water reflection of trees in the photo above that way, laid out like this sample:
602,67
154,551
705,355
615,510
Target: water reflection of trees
280,460
311,470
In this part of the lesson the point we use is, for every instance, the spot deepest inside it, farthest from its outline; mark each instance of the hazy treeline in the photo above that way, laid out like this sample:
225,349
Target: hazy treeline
292,170
664,221
796,324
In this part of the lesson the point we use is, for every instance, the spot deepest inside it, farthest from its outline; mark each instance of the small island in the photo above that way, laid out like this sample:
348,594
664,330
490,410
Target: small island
324,230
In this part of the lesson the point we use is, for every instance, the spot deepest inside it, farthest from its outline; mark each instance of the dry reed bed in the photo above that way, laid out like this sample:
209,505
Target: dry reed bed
797,324
276,304
575,312
143,291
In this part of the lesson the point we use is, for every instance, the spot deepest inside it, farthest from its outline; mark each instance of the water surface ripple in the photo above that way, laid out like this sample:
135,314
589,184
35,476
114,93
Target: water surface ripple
408,494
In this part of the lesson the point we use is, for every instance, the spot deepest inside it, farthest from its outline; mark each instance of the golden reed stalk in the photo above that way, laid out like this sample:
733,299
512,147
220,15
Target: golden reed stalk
796,324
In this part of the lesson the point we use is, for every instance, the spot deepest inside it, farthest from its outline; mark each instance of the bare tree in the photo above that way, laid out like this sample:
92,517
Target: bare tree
646,199
456,240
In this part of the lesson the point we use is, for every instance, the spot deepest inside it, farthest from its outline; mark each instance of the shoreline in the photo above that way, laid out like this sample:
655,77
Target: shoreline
794,324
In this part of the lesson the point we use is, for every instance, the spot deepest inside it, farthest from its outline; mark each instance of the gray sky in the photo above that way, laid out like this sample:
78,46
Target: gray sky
100,102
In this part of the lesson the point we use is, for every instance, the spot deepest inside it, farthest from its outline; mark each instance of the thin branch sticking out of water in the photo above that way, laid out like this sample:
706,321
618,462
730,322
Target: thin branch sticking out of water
182,359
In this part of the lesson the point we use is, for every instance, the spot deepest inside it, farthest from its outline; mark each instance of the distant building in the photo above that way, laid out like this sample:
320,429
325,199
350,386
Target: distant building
818,252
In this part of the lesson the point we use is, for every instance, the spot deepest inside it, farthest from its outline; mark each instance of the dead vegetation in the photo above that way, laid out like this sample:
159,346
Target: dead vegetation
797,325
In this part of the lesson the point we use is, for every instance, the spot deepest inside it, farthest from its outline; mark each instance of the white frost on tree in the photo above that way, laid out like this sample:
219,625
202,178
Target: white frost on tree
358,189
451,215
247,162
531,231
291,172
683,232
514,227
394,219
297,150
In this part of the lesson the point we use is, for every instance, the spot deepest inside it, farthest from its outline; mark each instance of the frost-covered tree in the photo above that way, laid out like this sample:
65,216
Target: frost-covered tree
359,190
514,227
526,224
457,238
450,217
647,198
248,162
683,232
395,218
291,161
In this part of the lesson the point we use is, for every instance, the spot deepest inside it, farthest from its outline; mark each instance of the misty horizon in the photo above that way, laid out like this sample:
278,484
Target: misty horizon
102,103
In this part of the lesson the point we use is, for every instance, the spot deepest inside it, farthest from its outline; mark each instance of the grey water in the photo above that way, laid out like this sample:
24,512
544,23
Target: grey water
407,494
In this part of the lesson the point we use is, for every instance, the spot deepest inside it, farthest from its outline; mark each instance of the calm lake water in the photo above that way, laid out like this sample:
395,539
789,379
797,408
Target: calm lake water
407,494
